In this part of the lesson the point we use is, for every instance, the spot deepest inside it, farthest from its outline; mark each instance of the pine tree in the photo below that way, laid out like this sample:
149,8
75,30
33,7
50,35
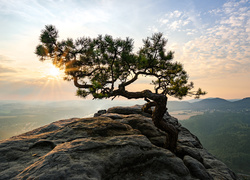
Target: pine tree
104,67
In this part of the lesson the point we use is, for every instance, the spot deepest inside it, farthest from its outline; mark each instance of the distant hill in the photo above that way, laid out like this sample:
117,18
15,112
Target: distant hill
210,104
216,103
244,103
226,135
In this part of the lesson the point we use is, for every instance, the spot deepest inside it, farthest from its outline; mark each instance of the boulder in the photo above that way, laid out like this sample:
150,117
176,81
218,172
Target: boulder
118,144
196,168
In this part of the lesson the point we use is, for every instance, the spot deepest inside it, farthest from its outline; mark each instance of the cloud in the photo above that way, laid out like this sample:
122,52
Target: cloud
207,43
153,29
28,10
4,69
176,14
175,20
218,48
5,59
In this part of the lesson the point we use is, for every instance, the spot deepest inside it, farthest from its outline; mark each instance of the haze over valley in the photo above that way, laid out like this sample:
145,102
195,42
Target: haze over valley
17,117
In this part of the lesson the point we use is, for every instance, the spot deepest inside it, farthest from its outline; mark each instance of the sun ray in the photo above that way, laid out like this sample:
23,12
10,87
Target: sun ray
52,72
52,79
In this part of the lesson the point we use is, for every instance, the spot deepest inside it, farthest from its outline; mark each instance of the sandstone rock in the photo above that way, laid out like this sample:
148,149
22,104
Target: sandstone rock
107,158
196,168
185,137
120,144
100,112
172,120
126,110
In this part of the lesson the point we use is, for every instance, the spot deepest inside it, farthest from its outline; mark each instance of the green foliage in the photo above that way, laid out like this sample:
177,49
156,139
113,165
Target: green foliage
82,93
226,135
105,64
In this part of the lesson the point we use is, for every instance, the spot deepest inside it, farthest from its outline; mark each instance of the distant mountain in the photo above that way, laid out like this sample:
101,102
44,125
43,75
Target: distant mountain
215,103
210,104
244,103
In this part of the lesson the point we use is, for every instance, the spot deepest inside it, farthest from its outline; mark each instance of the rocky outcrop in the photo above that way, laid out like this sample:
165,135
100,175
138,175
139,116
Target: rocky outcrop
120,143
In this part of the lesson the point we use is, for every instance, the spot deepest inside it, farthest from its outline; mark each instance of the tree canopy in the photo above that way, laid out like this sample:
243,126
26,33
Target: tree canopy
104,66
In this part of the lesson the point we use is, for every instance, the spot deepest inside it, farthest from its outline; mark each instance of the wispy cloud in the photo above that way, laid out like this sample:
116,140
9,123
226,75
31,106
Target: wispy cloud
175,20
4,70
5,67
28,10
5,59
220,47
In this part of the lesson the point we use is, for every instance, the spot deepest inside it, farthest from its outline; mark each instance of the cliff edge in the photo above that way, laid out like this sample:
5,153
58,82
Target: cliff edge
120,143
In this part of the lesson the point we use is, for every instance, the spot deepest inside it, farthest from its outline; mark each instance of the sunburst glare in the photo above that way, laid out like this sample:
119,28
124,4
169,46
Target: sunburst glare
52,79
53,72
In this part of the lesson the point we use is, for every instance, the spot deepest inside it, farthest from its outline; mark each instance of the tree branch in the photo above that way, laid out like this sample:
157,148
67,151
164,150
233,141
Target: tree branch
81,85
137,95
122,85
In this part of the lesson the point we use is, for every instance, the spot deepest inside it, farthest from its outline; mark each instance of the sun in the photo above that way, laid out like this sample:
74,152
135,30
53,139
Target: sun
53,72
51,81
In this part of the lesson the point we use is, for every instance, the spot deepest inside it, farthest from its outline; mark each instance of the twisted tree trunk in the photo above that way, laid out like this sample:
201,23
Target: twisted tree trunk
157,117
159,101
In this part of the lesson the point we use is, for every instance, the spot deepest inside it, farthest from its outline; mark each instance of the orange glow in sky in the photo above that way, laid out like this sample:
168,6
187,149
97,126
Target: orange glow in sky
210,38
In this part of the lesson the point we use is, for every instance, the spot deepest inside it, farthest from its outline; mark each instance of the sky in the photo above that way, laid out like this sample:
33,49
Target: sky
209,37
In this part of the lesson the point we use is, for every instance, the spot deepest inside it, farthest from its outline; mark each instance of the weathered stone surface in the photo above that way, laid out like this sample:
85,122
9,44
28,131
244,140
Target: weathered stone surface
209,162
185,137
172,120
128,110
107,158
100,112
183,150
125,110
109,146
196,168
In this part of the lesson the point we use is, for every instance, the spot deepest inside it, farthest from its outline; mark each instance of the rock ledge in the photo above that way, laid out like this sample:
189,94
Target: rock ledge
120,143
